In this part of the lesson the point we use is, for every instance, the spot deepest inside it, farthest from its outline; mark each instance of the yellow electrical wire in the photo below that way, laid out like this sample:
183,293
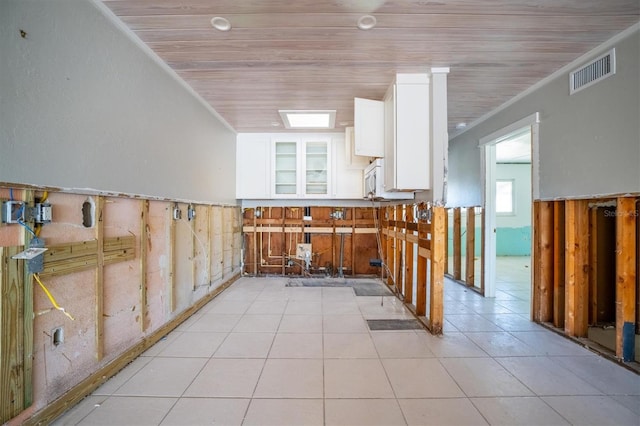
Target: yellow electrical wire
53,301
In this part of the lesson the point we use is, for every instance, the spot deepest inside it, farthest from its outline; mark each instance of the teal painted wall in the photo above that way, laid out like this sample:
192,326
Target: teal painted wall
513,241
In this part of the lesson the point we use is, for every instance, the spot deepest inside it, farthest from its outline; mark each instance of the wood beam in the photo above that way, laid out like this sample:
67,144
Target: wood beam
145,236
28,198
545,261
99,283
446,239
436,279
457,244
171,248
408,264
471,247
626,252
12,337
558,264
576,267
482,254
421,285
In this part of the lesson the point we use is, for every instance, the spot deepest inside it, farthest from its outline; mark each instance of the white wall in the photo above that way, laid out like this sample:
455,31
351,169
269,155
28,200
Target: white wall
84,106
521,175
589,143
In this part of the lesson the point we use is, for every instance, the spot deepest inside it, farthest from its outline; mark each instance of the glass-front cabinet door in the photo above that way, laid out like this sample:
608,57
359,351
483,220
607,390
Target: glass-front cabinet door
316,180
286,168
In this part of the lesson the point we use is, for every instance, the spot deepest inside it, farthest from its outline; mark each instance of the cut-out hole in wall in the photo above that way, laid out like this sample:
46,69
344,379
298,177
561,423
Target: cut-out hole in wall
57,336
88,213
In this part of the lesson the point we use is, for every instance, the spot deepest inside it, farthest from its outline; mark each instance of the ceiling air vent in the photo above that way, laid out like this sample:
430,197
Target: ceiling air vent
594,71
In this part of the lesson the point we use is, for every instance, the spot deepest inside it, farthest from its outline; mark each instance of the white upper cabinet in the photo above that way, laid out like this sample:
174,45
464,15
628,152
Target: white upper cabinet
295,166
368,127
407,135
301,167
252,166
352,160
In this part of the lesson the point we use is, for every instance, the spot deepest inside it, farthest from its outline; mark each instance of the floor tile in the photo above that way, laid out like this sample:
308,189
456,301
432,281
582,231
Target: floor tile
632,402
138,411
206,411
523,410
80,411
453,345
291,378
258,324
215,322
279,412
551,344
297,345
349,345
245,345
228,378
437,412
472,322
501,343
420,378
356,378
363,412
112,385
344,324
484,377
261,307
239,306
401,344
340,307
305,293
304,307
161,344
163,377
194,344
545,376
337,293
602,374
592,410
301,324
512,322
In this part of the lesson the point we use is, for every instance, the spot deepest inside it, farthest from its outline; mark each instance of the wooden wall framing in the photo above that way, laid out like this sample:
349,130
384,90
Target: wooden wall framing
567,242
131,277
468,237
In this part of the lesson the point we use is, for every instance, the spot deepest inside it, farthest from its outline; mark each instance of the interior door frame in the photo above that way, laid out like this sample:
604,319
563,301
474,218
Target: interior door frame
487,145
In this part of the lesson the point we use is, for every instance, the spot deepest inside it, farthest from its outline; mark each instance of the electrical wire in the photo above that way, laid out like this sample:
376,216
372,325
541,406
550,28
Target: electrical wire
53,301
27,228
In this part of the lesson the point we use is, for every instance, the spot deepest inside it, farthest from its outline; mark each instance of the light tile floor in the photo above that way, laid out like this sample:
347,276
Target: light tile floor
265,354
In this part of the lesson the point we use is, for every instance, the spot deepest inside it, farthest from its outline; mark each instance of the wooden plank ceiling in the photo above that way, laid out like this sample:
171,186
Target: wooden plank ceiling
309,54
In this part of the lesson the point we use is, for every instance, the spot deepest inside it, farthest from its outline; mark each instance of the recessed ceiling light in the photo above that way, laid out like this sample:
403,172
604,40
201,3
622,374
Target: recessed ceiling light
220,23
461,126
366,22
275,124
344,123
308,119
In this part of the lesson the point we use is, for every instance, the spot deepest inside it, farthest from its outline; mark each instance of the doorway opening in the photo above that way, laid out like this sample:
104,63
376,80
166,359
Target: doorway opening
510,185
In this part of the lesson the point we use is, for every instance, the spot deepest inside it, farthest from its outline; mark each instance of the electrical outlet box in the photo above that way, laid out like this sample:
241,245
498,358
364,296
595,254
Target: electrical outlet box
42,213
12,211
177,213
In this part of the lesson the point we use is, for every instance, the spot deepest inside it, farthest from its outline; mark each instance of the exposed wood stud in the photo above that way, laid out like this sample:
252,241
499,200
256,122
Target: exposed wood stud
535,293
626,252
409,253
446,239
558,264
545,260
145,236
421,285
28,198
99,284
397,270
471,251
457,244
576,263
593,265
12,336
436,299
171,247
